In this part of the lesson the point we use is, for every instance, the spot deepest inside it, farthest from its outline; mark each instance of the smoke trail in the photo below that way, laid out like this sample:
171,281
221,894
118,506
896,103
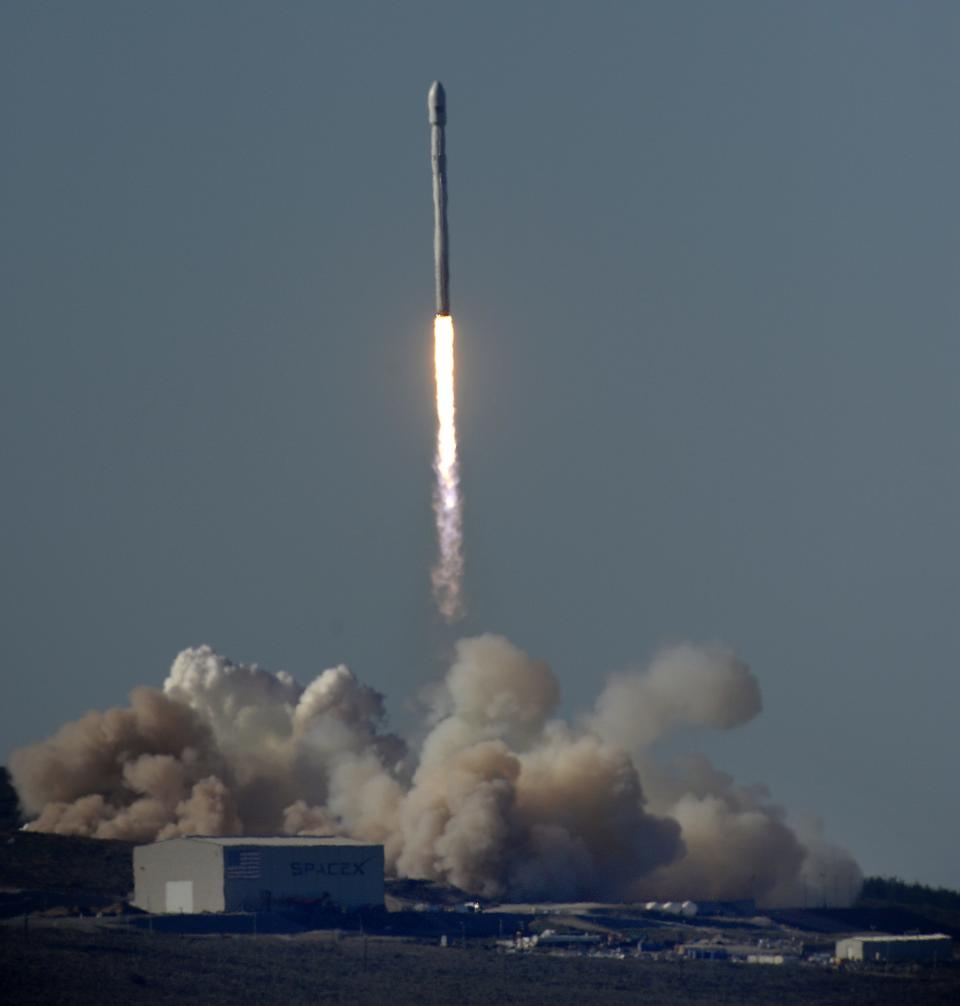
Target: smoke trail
501,798
447,574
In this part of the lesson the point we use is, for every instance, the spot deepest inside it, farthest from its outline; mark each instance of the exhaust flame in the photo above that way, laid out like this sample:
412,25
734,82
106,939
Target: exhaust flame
447,574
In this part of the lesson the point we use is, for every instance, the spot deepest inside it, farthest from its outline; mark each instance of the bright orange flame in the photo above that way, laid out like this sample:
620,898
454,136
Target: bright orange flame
448,572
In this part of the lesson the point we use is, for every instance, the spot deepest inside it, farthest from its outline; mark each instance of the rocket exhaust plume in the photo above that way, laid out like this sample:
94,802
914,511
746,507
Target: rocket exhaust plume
447,507
501,797
447,574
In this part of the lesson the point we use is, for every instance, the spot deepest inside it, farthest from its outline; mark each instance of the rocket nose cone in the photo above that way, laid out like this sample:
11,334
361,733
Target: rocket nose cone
437,103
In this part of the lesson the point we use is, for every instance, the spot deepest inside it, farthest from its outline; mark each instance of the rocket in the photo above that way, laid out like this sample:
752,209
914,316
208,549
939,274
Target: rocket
437,111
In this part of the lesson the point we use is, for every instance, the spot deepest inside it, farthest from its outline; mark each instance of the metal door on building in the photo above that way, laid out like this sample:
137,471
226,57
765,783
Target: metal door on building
180,896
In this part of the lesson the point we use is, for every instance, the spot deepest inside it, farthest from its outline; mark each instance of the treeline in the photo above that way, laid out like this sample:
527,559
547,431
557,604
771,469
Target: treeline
9,806
895,890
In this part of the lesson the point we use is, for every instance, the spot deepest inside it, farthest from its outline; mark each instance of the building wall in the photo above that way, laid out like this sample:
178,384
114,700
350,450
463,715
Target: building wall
177,862
265,877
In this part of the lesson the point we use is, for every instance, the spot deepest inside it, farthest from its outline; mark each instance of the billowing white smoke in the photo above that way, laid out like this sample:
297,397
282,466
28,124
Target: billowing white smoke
502,798
683,686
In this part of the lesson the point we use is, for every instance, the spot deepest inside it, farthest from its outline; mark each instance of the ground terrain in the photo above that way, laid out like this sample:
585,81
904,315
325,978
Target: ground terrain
96,963
66,936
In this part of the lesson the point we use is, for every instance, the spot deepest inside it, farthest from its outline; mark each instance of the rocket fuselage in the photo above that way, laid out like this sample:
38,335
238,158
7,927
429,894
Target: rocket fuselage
437,109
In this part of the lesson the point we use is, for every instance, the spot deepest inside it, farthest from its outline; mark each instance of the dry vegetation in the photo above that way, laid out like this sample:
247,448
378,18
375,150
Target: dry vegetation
89,962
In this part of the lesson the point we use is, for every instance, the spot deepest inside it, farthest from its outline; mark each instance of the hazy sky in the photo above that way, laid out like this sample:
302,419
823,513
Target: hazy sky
704,269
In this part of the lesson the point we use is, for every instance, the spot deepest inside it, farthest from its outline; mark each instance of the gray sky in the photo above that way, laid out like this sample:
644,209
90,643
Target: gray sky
704,265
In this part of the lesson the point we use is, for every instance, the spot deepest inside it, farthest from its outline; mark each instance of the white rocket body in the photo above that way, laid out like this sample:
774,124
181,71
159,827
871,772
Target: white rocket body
437,110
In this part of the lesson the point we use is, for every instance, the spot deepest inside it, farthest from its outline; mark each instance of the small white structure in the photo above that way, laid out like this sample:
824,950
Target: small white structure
229,874
688,909
884,949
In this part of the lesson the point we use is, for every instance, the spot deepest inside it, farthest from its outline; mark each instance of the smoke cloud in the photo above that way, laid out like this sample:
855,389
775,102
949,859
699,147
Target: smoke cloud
502,798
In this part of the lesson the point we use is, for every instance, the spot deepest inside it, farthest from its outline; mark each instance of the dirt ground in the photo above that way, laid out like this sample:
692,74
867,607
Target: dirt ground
67,961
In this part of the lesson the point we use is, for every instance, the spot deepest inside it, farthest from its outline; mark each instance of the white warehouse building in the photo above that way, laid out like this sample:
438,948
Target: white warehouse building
203,873
884,949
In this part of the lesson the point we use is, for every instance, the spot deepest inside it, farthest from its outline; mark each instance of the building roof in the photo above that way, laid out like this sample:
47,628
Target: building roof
295,840
899,939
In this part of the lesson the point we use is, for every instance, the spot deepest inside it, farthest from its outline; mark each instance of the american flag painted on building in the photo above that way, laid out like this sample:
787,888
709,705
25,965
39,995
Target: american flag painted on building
242,864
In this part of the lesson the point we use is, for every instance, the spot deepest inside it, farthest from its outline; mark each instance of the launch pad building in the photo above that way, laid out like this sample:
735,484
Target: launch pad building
249,874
